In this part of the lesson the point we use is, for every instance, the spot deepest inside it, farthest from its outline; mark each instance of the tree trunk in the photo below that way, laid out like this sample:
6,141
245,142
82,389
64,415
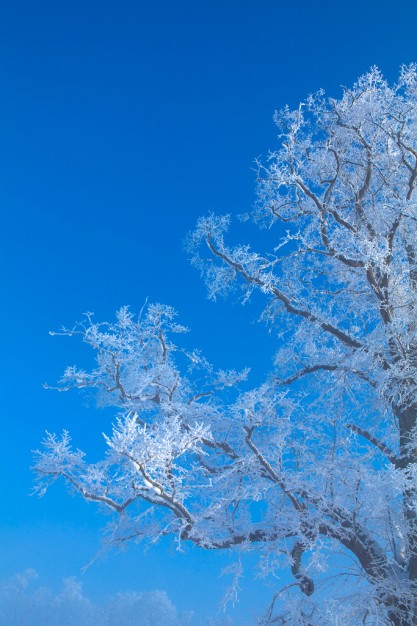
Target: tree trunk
407,418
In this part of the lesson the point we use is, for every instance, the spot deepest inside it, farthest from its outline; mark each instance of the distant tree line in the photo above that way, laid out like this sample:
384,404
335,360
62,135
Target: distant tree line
23,603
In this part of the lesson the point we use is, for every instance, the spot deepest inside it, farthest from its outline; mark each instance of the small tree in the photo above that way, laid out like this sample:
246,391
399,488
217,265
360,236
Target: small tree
323,453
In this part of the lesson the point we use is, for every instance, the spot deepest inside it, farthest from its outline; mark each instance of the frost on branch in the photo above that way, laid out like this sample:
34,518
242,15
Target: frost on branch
316,468
340,291
171,438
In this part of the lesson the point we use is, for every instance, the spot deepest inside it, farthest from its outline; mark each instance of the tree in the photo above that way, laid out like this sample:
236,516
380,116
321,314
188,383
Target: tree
22,606
316,468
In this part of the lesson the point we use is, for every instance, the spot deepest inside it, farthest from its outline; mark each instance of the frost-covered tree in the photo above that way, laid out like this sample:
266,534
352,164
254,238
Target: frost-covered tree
316,468
22,604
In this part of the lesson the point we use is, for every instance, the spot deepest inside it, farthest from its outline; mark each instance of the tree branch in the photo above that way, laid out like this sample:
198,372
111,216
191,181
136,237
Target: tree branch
386,450
343,337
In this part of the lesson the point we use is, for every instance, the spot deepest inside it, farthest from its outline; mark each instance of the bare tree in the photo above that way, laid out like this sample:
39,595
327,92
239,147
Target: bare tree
324,452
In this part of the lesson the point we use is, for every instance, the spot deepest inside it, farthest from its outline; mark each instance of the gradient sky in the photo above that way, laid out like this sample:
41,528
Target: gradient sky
121,123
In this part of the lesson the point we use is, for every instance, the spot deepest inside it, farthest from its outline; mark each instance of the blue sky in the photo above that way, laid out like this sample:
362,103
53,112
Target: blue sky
121,123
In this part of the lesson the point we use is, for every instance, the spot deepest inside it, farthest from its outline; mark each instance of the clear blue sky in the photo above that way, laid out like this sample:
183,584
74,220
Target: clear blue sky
121,123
